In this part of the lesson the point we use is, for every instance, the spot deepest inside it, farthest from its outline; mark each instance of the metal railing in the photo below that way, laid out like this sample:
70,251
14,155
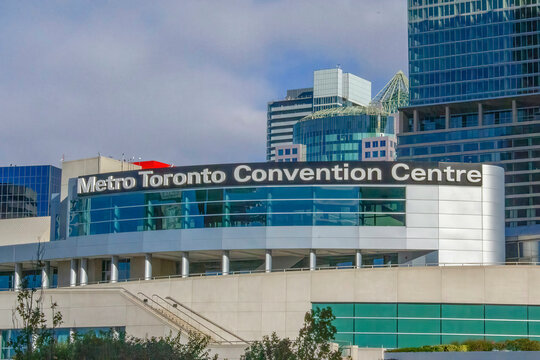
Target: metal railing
176,303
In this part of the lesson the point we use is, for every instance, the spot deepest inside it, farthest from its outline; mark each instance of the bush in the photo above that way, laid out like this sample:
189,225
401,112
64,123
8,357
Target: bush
477,345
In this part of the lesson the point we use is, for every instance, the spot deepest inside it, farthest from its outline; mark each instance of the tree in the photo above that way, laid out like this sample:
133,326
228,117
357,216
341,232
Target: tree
313,342
29,317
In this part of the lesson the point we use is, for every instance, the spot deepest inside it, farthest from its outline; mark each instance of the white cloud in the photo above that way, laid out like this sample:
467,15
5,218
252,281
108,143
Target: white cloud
183,82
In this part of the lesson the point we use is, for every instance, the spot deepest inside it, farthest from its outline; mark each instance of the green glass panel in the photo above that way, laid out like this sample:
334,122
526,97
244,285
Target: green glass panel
462,311
506,312
502,338
419,310
419,326
375,310
448,339
344,325
534,328
463,327
534,312
418,340
344,339
375,325
506,327
369,340
339,310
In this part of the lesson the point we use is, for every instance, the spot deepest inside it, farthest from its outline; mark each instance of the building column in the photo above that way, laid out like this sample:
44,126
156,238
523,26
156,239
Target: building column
73,273
480,114
415,120
17,276
45,271
83,272
225,262
447,117
312,259
514,111
185,264
358,259
114,269
147,266
268,261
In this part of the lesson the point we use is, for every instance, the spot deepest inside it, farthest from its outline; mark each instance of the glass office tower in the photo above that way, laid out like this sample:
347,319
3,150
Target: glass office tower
475,97
477,49
336,134
331,88
26,191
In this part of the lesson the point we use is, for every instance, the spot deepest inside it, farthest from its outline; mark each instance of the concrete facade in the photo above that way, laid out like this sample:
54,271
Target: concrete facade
254,305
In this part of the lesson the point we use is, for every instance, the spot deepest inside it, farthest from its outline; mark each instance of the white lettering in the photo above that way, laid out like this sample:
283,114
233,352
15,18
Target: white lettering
395,172
474,176
145,177
84,187
307,174
238,176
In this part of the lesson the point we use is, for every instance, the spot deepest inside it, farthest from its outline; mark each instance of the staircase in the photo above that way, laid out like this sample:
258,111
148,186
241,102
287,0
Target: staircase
185,319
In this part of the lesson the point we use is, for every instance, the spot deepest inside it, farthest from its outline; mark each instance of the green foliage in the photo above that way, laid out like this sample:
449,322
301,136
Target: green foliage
478,345
107,346
313,342
30,317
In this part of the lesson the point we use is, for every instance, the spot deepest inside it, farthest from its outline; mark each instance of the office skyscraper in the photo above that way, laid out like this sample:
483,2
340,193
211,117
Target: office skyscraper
331,88
475,97
479,49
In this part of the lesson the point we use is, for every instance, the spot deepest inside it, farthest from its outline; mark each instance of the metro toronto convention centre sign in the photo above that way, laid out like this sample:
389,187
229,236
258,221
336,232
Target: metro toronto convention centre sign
297,173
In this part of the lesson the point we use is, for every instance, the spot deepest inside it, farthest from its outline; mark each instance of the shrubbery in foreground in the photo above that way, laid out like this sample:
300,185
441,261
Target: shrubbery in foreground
478,345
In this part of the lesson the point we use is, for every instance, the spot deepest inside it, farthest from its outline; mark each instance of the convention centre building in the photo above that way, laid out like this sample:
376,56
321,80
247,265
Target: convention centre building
405,253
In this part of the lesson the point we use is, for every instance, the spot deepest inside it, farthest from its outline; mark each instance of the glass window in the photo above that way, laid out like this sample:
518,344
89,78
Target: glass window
280,152
287,151
375,154
383,143
367,155
375,144
295,151
368,144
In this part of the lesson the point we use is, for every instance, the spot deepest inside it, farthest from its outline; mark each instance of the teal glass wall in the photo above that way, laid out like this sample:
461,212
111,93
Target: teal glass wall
475,49
337,135
398,325
238,207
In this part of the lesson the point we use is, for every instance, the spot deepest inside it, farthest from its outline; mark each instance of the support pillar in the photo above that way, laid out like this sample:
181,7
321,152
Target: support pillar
83,272
225,262
447,117
312,259
73,273
45,271
17,276
358,259
185,264
268,261
147,266
480,114
514,111
114,269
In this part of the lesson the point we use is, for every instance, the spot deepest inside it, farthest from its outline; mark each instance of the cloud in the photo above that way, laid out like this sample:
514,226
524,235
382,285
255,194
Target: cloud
183,82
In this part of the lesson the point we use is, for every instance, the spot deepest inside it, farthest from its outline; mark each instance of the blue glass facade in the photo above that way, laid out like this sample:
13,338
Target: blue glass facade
26,191
499,131
336,134
238,207
476,49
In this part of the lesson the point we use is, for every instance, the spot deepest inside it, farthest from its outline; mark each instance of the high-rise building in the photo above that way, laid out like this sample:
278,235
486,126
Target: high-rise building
331,88
476,49
336,134
282,115
475,98
27,191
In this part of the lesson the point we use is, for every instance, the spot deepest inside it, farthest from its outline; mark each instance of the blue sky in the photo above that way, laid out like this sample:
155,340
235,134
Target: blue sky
184,82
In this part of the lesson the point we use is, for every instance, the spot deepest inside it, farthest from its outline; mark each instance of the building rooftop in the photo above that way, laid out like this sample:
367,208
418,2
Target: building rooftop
394,94
345,111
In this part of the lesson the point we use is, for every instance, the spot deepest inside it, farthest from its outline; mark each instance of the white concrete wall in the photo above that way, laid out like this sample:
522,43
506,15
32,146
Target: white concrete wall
255,305
25,230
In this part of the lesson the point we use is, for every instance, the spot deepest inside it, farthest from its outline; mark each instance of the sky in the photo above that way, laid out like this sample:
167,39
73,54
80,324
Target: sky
183,82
